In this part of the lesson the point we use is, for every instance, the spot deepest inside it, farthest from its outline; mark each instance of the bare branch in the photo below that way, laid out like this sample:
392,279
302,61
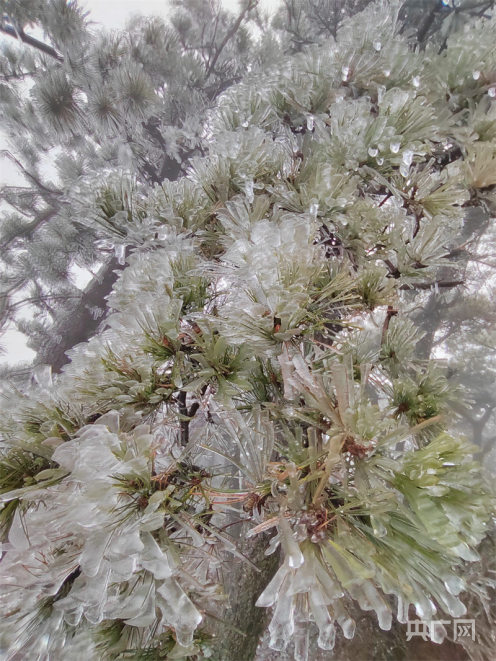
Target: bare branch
30,175
31,41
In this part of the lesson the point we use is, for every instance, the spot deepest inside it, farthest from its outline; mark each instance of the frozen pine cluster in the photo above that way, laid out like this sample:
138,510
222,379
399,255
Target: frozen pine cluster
259,379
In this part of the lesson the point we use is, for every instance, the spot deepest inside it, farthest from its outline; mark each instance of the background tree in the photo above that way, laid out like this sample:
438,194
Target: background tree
279,311
108,112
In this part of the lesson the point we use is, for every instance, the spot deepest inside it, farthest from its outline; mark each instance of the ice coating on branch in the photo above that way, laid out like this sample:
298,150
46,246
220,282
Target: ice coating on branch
178,611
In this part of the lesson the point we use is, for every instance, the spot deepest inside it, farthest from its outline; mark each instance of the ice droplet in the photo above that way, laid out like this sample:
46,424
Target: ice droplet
373,151
416,81
345,72
377,45
476,75
404,170
245,124
378,527
387,72
395,147
380,161
310,122
492,92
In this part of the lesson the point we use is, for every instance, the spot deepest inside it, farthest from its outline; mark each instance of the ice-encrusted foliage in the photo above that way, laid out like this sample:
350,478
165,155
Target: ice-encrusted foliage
259,365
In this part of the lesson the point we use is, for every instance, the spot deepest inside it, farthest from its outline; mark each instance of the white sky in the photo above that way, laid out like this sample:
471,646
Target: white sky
112,14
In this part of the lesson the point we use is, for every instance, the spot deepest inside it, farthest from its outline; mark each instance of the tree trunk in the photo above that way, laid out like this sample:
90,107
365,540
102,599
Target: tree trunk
80,324
243,623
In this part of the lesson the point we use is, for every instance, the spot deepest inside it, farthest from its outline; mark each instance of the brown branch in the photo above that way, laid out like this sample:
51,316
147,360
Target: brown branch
391,312
393,270
183,424
445,284
229,35
31,41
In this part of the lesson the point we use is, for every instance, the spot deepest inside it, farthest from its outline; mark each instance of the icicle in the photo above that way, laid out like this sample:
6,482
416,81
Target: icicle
120,253
110,420
402,612
437,632
96,312
454,584
281,627
271,593
179,611
42,376
324,622
92,556
314,209
301,642
407,157
250,196
291,548
147,614
153,559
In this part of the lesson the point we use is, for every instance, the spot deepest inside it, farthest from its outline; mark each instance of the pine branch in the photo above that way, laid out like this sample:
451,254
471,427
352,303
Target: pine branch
29,175
31,41
442,284
31,227
229,35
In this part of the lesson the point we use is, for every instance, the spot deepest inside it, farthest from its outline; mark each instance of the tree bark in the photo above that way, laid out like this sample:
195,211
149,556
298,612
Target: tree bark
243,623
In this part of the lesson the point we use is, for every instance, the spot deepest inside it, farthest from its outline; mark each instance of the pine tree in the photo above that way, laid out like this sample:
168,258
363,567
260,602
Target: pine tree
261,419
111,113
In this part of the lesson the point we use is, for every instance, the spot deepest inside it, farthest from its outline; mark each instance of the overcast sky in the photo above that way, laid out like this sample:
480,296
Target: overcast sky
112,14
